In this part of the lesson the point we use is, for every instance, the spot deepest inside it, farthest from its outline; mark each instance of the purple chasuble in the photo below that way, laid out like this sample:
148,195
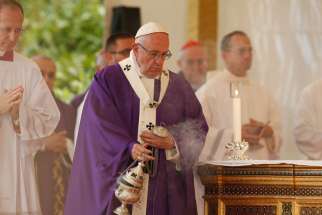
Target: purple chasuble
108,130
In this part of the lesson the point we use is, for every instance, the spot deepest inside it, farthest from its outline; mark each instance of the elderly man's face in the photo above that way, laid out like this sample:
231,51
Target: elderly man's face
193,64
48,71
151,53
11,20
238,58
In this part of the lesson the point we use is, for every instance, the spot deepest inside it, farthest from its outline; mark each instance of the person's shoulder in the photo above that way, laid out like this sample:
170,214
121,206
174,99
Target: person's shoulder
28,67
175,75
311,90
259,88
110,76
311,93
216,78
314,87
209,89
178,79
109,71
27,62
21,58
63,105
77,99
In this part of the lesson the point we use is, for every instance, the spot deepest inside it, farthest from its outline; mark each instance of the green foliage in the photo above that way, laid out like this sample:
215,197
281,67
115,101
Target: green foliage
71,33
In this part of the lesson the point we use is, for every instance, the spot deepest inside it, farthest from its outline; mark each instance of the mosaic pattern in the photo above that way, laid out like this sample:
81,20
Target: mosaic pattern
311,211
244,189
308,191
263,190
251,210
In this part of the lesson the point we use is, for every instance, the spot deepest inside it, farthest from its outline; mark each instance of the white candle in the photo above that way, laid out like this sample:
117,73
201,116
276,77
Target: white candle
237,119
236,112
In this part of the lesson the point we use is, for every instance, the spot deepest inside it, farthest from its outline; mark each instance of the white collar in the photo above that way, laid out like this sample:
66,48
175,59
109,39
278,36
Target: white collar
231,77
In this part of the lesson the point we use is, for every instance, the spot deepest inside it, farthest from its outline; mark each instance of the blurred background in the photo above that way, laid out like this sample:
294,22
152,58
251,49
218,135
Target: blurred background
70,32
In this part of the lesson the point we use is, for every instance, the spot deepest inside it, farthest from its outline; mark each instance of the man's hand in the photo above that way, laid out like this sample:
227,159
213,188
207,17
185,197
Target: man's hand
266,131
253,131
10,100
56,142
141,153
250,138
156,141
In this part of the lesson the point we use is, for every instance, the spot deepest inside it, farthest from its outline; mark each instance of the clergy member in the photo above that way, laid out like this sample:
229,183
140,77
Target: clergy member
53,162
260,115
192,61
308,121
27,112
124,104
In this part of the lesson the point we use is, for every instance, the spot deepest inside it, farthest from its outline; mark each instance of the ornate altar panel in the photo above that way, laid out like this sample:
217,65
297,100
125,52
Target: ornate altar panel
258,189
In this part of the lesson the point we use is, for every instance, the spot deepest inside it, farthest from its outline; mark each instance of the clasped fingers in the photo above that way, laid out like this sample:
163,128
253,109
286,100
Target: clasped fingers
141,153
157,141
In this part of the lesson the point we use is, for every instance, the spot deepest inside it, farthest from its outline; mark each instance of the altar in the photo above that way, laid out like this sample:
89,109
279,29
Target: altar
262,187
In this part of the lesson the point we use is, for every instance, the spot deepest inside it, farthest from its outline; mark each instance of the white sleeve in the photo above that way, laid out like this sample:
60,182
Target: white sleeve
274,143
308,137
38,113
214,147
216,139
204,101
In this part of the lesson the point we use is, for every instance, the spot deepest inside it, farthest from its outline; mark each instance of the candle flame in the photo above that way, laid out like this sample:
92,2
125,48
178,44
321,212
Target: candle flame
236,92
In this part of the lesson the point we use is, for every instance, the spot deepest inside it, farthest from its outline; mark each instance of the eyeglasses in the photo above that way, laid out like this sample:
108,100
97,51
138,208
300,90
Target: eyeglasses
242,51
124,52
8,30
199,62
155,54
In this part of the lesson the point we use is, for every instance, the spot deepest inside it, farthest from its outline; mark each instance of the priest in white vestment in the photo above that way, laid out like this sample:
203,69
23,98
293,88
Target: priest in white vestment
27,113
260,116
308,121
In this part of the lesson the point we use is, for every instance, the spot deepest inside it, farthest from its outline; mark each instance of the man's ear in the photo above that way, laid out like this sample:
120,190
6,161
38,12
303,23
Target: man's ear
135,48
224,55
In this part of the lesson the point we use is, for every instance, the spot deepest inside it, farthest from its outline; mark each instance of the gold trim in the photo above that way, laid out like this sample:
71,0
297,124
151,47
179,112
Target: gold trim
193,19
202,25
208,27
300,187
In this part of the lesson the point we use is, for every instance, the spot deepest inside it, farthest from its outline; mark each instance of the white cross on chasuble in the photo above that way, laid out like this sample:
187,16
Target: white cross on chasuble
144,89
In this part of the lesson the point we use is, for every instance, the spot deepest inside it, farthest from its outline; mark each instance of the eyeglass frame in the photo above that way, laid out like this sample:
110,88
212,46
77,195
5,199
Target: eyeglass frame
155,54
198,62
242,51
